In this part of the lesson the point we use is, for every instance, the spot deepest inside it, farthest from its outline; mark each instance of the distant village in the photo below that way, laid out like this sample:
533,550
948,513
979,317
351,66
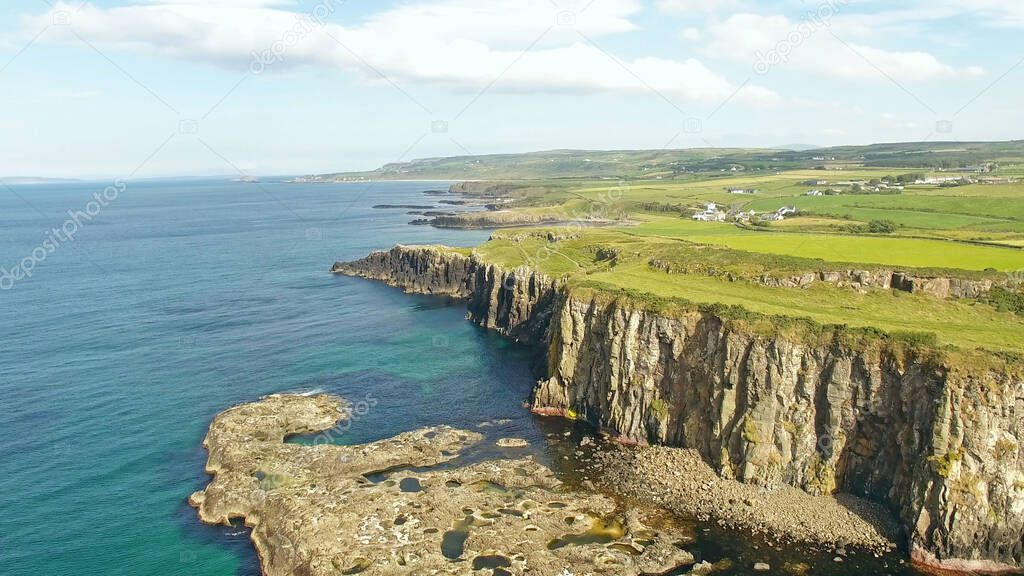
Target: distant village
713,212
716,213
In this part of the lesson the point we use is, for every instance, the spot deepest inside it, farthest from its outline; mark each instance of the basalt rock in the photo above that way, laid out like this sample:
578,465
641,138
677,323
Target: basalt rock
314,510
936,442
516,303
416,269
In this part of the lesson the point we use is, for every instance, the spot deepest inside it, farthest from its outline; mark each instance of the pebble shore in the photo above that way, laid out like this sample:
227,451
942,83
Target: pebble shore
680,481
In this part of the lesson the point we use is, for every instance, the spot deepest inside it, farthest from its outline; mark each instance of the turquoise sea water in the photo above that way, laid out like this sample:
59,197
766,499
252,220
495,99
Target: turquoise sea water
181,298
177,300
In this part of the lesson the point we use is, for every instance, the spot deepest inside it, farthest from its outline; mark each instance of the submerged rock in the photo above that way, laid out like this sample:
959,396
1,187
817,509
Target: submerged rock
512,443
315,510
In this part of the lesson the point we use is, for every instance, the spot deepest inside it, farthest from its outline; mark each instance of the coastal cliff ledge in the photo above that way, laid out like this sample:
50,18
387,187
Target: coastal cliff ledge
933,435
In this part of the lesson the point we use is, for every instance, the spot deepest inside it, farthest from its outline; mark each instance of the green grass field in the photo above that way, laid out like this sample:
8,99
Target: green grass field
971,231
890,251
962,323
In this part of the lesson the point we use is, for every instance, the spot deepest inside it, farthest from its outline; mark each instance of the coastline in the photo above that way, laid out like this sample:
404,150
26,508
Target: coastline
522,305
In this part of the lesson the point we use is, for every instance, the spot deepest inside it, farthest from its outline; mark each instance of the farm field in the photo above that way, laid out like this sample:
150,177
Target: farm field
892,251
956,217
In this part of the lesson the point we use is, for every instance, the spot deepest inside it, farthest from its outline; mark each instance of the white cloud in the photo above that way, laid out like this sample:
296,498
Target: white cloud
767,42
1000,13
692,34
697,7
74,94
245,3
462,44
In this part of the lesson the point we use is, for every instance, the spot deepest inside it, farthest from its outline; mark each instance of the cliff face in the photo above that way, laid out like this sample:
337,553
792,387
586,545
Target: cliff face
938,444
416,269
517,303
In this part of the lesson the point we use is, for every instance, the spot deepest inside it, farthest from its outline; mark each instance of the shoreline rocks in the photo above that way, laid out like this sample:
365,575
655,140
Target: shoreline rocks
326,510
679,480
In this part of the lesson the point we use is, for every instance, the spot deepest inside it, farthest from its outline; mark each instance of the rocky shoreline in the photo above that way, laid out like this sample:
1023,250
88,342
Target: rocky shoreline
328,510
936,444
680,481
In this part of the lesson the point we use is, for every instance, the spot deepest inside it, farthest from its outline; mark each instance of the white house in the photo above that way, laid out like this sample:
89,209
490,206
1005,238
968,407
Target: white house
710,214
779,214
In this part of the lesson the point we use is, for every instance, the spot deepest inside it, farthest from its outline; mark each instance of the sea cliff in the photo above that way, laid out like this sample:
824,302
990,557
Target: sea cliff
933,436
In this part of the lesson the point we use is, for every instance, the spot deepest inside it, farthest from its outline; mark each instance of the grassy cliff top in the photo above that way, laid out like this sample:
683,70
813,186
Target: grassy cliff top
622,263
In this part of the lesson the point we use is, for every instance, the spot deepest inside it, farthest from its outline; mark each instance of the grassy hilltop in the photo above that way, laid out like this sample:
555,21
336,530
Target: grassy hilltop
623,221
680,163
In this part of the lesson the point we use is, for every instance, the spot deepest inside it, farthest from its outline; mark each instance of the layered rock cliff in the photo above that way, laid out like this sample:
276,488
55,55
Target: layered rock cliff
517,303
884,279
938,442
416,269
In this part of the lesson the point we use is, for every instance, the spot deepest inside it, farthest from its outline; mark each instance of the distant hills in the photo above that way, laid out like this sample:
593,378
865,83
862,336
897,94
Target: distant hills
610,164
9,180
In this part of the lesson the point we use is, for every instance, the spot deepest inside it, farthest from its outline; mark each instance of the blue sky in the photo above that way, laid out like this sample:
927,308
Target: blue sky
189,87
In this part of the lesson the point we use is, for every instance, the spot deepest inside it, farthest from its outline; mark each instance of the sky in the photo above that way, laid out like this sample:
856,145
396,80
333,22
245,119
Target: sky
148,88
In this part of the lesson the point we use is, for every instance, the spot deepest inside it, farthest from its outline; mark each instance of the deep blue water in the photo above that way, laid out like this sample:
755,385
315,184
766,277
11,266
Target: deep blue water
179,299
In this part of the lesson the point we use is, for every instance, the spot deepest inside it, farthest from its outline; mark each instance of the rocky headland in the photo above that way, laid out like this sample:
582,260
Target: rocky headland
933,437
330,510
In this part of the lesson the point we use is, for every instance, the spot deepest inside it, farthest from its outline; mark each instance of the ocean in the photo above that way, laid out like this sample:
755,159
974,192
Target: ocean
161,303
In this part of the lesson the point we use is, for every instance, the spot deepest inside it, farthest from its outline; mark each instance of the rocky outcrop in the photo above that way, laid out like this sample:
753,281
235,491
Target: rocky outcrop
517,303
314,510
937,286
942,287
514,219
416,269
681,480
937,442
